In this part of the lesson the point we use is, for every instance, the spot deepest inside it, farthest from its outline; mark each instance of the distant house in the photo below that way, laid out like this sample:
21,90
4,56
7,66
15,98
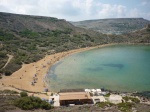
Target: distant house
75,98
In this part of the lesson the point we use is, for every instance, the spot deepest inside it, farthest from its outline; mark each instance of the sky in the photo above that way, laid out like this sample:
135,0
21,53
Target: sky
78,10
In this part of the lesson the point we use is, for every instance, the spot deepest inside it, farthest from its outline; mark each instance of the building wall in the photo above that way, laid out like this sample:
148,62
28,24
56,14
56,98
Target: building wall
76,102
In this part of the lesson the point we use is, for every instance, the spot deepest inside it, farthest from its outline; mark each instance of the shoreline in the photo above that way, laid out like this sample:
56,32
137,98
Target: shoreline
31,77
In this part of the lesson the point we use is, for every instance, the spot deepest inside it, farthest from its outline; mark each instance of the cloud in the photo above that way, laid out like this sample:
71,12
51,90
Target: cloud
145,2
134,13
108,10
73,10
92,9
137,13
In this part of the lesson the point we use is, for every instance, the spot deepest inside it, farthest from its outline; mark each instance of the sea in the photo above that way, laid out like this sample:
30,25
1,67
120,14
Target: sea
123,68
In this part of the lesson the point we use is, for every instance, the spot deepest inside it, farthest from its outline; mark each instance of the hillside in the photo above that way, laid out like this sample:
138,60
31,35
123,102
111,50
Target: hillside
29,38
7,98
113,26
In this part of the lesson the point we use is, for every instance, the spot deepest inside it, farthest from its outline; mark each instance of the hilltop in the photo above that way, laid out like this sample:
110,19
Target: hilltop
113,26
29,38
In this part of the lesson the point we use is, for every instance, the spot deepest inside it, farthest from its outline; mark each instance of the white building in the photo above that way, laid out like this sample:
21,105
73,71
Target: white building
97,99
55,99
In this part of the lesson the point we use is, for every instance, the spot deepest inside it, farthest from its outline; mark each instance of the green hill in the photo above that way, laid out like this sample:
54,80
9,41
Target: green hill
113,26
30,38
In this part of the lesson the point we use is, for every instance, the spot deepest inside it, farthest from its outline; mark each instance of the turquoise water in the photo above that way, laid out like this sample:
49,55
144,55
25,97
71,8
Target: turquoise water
121,68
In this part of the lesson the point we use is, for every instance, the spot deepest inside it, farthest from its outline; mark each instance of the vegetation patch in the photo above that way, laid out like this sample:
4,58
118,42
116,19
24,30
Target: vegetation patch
134,100
107,95
29,103
105,104
125,106
29,34
6,91
23,94
5,36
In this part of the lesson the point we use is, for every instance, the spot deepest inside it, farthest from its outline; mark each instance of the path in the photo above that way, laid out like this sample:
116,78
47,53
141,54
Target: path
10,57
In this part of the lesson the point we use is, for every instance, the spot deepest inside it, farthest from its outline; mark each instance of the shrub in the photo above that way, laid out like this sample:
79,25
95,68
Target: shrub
107,95
125,107
7,73
2,63
45,105
105,104
28,103
148,29
23,103
11,67
135,100
23,94
6,91
126,98
2,55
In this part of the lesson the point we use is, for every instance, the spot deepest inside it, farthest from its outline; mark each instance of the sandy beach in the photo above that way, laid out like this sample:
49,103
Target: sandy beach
31,76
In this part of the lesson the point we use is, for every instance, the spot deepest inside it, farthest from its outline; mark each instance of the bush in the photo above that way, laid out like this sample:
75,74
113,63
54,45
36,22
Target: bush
28,103
134,100
2,55
148,29
7,73
107,95
24,103
105,104
126,98
45,105
11,67
125,107
6,91
23,94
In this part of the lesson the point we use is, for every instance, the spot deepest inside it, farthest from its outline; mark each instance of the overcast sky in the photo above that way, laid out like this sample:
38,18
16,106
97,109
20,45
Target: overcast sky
77,10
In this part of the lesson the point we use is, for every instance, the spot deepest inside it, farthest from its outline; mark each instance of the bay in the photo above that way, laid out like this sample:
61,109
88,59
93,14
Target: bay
118,67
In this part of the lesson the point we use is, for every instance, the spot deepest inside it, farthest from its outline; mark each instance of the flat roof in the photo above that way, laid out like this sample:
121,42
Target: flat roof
74,95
